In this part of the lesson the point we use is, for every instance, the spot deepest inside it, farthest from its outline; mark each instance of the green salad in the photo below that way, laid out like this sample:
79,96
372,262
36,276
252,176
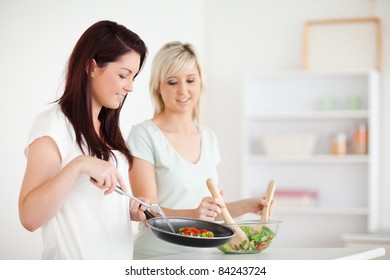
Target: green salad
259,239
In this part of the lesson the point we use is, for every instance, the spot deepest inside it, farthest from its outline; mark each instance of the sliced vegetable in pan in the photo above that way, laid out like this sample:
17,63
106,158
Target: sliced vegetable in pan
192,231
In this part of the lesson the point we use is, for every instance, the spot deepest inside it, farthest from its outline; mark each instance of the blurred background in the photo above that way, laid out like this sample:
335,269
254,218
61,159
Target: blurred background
235,39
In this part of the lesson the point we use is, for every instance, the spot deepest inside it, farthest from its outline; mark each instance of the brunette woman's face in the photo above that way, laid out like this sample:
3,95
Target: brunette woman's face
111,83
180,92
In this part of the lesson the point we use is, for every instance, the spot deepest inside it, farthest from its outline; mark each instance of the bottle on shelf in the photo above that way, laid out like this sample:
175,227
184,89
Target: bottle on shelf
339,144
360,139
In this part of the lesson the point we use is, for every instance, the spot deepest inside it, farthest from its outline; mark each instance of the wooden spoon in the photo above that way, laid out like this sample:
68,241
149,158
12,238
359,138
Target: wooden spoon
237,241
269,196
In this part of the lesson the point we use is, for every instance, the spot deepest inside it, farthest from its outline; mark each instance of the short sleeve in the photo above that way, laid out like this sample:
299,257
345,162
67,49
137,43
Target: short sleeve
141,143
212,140
54,124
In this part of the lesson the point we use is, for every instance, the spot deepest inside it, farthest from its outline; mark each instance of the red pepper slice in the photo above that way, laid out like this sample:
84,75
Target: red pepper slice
192,231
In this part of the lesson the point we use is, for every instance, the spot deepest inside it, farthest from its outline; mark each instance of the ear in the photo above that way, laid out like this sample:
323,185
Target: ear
91,67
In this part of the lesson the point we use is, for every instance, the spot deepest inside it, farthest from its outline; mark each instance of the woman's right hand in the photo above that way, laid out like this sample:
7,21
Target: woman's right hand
208,209
137,210
103,174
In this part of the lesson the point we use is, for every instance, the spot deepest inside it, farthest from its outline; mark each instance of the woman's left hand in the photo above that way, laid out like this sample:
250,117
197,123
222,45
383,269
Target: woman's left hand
258,204
137,213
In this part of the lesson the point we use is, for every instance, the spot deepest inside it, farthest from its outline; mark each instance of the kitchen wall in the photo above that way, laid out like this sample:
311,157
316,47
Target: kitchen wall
233,38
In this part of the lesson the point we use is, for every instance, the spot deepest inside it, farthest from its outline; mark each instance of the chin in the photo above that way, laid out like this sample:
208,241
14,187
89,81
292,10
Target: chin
113,106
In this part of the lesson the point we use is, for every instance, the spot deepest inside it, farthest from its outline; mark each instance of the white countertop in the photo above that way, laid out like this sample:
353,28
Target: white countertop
283,254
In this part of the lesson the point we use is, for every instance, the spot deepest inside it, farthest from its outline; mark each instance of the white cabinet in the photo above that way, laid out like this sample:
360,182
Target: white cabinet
321,195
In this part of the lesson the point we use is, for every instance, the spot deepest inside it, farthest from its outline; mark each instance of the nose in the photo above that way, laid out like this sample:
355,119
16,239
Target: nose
129,87
183,89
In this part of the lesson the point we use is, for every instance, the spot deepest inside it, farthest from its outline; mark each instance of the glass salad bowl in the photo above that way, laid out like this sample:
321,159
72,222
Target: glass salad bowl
260,236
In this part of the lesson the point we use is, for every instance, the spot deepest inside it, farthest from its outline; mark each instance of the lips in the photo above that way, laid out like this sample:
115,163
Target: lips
121,96
183,100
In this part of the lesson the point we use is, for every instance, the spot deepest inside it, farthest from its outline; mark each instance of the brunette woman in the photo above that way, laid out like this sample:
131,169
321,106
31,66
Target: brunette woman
76,154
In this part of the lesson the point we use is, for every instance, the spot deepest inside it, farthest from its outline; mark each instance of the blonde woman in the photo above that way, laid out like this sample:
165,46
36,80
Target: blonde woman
173,153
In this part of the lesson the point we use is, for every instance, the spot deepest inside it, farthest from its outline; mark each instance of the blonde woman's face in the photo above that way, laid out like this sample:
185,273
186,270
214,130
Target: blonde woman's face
180,92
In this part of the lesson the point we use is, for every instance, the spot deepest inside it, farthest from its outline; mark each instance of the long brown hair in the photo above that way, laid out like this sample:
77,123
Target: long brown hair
104,42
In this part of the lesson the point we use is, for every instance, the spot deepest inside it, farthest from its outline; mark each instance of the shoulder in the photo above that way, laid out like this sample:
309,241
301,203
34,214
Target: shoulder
52,119
146,125
145,129
142,134
208,133
142,140
52,123
211,143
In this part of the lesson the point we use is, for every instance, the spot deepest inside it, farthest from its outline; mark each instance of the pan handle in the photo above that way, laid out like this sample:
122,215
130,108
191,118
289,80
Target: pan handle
148,215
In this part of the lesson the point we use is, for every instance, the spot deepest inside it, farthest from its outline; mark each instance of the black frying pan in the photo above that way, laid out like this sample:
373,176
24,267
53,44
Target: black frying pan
160,229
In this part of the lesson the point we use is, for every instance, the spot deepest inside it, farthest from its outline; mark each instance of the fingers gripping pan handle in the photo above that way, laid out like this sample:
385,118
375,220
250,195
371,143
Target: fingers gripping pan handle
148,214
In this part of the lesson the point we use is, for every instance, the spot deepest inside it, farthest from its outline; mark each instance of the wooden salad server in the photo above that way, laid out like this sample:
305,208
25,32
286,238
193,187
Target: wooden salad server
269,196
237,242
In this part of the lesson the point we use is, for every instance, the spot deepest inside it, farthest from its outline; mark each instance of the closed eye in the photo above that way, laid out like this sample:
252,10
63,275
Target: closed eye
172,83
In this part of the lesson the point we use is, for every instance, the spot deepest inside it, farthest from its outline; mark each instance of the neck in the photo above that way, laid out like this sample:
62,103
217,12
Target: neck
95,117
182,123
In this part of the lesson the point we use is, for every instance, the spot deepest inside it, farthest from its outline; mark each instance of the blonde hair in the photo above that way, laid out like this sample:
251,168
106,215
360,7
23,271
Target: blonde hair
173,57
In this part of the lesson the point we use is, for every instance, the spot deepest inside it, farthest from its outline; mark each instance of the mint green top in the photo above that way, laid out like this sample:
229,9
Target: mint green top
180,183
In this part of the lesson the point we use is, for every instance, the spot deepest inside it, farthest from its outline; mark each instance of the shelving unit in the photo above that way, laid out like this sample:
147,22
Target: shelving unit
324,103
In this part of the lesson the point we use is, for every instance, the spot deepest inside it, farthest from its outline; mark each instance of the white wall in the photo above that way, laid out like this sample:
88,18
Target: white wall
36,40
233,37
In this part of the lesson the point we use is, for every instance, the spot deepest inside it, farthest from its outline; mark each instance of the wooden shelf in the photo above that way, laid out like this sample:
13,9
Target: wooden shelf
289,104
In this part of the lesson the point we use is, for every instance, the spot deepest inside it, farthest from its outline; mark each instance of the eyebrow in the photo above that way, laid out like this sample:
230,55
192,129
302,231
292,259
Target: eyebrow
126,69
187,76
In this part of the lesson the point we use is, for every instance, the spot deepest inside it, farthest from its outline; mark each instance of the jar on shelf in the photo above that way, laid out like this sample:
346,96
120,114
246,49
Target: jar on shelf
339,144
360,139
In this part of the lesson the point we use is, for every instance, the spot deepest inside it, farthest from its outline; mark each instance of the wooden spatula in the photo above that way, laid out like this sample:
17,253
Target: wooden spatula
237,241
269,196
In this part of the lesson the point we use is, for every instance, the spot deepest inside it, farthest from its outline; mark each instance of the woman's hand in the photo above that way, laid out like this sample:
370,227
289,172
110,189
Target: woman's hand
208,209
249,205
103,174
258,203
137,210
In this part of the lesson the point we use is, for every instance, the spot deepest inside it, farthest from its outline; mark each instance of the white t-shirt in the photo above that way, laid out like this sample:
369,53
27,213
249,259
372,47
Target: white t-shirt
180,183
90,225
